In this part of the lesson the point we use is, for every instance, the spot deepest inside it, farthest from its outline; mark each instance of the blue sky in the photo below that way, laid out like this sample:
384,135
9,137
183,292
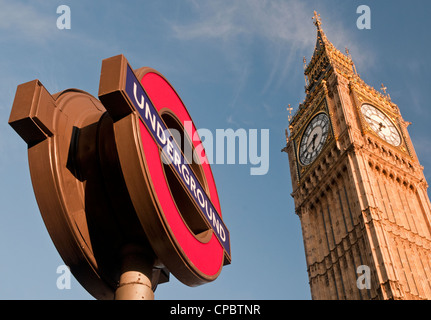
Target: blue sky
235,64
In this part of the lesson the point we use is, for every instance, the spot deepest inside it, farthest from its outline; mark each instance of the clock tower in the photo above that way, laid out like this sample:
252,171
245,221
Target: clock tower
358,187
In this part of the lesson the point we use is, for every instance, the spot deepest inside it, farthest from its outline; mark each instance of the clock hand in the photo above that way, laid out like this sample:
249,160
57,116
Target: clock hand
371,119
312,141
381,125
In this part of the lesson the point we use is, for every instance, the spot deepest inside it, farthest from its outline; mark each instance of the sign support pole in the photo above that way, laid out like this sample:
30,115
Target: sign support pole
136,274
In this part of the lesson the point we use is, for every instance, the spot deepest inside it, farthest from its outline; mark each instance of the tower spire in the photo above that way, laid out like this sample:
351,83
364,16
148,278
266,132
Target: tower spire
326,57
317,21
321,37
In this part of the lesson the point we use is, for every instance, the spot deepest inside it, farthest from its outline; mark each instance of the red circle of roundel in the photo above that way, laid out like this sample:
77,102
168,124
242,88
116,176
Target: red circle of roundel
206,257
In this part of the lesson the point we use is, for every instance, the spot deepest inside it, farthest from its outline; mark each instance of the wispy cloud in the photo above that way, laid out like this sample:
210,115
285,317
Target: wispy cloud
242,30
24,20
274,20
282,28
280,23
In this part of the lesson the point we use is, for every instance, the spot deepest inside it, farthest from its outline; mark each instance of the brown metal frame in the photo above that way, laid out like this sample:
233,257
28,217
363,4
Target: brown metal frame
78,184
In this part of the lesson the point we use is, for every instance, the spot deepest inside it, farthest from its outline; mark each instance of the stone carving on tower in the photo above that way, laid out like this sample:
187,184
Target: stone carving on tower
358,187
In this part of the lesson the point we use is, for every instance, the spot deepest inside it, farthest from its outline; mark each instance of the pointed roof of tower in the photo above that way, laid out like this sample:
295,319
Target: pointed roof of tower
325,61
325,50
321,37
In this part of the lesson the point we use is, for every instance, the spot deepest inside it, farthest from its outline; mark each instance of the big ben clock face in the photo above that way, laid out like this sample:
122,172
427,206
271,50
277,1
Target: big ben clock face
313,139
381,124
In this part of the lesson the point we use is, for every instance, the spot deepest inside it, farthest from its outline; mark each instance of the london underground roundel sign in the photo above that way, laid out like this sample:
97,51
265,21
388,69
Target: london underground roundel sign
175,200
113,179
